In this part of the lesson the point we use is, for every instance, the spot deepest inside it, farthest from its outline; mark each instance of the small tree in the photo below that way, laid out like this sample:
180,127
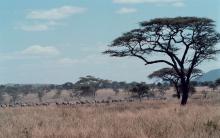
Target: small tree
87,86
57,94
213,86
1,97
26,89
170,75
15,97
140,89
68,86
13,92
181,43
41,91
162,88
58,89
40,95
115,87
217,82
2,91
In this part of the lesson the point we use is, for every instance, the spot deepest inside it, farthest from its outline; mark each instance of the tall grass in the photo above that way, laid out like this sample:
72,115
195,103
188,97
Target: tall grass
152,119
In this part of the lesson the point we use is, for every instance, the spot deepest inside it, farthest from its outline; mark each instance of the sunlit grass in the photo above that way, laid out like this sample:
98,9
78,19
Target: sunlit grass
151,119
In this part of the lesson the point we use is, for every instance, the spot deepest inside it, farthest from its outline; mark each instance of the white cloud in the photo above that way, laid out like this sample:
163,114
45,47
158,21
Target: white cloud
35,27
93,58
126,10
176,3
144,1
129,1
32,52
56,13
37,50
43,20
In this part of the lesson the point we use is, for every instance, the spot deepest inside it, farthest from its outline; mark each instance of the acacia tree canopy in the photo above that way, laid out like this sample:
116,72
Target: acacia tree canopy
181,43
170,75
140,90
87,85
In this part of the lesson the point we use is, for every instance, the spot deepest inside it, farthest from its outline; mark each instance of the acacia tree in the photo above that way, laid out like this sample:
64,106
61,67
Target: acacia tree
181,43
40,95
41,91
141,89
87,86
170,75
14,93
217,82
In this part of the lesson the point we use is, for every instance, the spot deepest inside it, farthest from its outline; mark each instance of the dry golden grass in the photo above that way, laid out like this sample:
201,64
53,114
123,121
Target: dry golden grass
151,119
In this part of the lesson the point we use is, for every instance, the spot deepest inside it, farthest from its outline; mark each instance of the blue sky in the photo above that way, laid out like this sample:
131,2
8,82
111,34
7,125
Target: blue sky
55,41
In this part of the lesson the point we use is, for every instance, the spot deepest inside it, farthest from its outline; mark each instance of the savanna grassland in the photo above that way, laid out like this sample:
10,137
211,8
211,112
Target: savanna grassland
146,119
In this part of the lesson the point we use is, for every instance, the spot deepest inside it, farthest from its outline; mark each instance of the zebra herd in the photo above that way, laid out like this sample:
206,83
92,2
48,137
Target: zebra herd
71,103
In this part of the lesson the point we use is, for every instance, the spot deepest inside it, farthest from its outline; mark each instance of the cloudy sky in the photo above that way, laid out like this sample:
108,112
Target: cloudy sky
55,41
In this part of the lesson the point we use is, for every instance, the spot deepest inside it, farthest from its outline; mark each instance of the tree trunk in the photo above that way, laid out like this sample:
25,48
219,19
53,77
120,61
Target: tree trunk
185,93
139,97
94,94
177,90
184,98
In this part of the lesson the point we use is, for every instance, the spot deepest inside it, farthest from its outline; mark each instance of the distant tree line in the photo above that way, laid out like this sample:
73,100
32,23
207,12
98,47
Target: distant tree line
85,86
89,85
